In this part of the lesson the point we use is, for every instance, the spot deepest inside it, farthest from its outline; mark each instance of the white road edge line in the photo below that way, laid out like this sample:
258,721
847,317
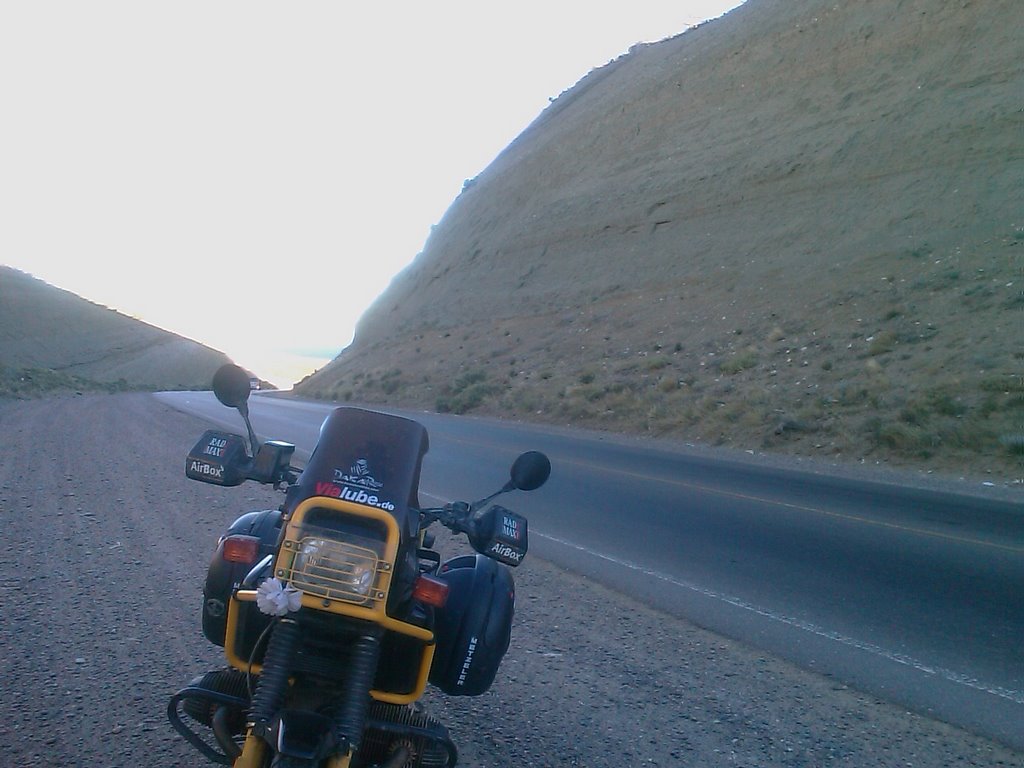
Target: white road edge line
954,677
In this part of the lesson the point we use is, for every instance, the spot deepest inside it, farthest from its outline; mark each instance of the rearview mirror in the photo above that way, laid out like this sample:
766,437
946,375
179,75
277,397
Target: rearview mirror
530,471
231,385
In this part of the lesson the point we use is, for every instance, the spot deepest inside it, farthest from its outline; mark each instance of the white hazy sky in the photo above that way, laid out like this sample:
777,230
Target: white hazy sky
251,175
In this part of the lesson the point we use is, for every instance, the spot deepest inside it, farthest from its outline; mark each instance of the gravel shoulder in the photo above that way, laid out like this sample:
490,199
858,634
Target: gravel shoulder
101,587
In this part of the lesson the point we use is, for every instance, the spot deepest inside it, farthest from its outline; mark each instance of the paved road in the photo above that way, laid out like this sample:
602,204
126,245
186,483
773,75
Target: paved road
911,595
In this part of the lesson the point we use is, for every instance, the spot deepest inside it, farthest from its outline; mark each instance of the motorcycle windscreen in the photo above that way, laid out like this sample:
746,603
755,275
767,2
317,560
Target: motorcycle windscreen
367,458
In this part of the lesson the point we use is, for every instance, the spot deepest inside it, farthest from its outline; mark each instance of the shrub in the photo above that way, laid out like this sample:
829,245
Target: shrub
1002,383
467,392
902,437
1013,443
882,343
738,362
945,404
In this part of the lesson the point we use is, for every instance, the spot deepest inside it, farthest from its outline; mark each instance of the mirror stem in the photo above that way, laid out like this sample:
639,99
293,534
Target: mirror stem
244,410
478,505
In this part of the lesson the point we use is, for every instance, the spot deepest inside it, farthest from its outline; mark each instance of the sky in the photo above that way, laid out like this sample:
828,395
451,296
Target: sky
251,175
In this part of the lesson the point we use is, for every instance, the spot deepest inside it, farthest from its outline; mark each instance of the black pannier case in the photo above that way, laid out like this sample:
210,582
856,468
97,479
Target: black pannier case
474,627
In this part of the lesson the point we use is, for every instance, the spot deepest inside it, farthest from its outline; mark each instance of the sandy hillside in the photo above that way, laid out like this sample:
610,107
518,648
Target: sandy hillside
796,229
51,338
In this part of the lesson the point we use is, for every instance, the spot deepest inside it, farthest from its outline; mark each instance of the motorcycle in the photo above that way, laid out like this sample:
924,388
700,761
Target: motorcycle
334,610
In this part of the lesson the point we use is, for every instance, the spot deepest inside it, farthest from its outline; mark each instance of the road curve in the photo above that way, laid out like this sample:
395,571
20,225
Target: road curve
911,595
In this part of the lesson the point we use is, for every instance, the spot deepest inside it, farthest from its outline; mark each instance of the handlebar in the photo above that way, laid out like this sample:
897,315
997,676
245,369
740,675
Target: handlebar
453,516
221,458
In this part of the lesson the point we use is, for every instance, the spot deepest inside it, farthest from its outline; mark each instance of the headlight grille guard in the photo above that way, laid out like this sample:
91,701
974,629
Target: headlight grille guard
350,570
369,610
339,572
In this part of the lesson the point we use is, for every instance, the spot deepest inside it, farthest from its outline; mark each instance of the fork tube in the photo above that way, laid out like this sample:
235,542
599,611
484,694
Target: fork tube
351,715
273,682
254,752
270,692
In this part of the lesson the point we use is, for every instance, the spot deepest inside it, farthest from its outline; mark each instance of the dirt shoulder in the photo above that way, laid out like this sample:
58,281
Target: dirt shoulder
107,548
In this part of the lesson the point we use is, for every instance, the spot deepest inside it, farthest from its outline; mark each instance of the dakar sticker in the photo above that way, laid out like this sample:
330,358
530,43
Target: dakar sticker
358,476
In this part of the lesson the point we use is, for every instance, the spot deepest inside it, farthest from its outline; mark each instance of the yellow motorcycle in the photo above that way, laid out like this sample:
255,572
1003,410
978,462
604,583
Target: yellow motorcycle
334,611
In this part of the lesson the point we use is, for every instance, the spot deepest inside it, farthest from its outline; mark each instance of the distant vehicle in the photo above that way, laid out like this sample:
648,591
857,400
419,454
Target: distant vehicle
254,383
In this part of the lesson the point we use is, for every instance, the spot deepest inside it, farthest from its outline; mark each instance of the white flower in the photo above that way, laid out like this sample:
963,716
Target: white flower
276,599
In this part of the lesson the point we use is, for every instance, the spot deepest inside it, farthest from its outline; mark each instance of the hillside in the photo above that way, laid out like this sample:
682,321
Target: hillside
797,228
53,339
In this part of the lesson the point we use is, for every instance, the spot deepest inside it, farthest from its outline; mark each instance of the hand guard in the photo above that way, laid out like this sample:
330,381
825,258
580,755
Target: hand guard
501,534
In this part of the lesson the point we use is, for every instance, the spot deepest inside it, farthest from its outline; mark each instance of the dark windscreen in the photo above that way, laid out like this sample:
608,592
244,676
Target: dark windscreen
368,458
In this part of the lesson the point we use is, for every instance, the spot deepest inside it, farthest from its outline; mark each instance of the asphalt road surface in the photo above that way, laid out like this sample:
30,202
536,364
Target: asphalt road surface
908,594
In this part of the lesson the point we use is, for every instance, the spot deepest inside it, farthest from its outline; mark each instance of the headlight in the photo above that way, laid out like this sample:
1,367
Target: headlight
328,565
346,569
